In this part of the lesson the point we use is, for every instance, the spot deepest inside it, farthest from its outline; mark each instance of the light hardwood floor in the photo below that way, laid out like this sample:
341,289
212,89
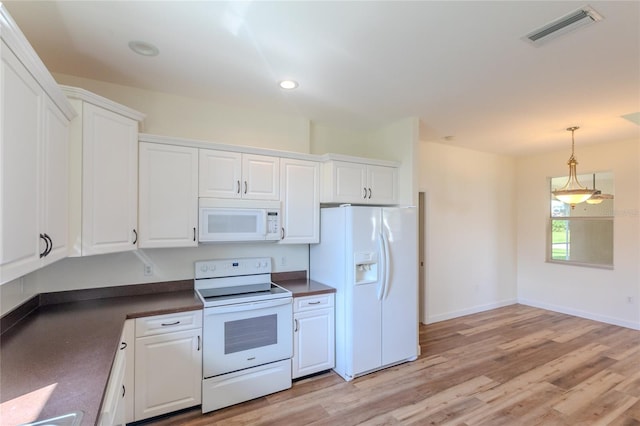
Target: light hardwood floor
510,366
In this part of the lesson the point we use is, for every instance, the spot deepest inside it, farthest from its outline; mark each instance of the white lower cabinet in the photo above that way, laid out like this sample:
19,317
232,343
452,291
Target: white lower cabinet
113,412
314,334
168,363
127,345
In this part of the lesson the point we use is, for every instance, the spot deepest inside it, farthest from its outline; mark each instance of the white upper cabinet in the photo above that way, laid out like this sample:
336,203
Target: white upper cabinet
104,181
168,206
56,182
382,184
228,174
300,191
359,183
33,156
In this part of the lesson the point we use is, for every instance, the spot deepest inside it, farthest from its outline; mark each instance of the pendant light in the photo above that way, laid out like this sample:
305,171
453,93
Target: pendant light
572,192
598,196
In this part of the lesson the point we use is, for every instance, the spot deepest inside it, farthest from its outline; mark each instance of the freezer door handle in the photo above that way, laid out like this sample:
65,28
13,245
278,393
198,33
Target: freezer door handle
387,263
383,266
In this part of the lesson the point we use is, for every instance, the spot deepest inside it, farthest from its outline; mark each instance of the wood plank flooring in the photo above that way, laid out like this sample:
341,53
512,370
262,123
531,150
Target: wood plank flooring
516,365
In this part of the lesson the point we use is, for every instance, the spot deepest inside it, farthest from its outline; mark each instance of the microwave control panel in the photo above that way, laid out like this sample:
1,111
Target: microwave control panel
273,222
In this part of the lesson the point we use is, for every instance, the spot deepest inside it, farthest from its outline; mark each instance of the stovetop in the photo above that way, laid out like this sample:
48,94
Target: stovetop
232,281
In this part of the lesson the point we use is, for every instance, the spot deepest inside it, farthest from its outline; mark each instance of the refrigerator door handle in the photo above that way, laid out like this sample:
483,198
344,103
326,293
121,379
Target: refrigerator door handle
382,263
387,263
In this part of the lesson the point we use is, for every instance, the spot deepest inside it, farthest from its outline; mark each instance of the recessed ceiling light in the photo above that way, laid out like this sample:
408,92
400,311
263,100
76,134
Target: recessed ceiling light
143,48
288,84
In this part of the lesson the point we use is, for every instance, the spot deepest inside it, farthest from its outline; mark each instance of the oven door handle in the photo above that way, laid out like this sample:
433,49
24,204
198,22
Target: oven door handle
241,307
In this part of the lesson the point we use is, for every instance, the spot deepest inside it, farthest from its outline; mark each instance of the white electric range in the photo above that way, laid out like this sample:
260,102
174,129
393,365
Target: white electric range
247,331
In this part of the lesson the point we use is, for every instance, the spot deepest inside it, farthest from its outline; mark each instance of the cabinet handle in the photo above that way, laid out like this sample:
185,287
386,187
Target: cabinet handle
295,327
123,345
369,193
245,186
123,391
317,302
364,194
194,233
165,324
48,238
238,186
46,242
282,233
198,342
135,237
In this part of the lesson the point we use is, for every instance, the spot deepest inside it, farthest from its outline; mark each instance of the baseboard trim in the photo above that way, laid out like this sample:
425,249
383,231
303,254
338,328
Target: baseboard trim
470,311
579,313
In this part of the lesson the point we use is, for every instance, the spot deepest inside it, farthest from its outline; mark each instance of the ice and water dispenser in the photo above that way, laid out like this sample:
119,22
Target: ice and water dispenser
366,267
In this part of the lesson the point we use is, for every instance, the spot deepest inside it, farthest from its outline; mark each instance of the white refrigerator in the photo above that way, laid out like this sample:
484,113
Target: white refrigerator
369,254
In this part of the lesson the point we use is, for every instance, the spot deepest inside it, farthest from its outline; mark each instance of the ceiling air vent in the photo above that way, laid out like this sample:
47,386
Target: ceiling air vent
580,18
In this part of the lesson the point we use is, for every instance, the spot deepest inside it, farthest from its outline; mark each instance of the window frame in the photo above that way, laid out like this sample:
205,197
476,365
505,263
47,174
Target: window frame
575,219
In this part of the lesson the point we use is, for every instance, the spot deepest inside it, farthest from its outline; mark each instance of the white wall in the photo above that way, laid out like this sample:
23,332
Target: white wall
168,265
171,115
326,139
599,294
470,230
396,141
12,294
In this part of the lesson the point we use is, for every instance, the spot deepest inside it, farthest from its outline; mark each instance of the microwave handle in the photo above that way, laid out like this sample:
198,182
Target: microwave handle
241,307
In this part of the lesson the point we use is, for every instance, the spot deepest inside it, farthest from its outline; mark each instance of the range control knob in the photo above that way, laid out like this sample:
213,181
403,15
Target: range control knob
204,267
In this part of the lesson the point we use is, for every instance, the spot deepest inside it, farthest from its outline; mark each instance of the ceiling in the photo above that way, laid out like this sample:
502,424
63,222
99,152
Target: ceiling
463,68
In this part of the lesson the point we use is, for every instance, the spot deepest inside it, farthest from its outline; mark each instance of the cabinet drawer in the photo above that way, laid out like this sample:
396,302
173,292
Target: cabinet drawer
159,324
306,303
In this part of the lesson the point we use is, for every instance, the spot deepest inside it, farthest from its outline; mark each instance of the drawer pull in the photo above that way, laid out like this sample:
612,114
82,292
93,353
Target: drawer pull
166,324
251,359
317,302
123,345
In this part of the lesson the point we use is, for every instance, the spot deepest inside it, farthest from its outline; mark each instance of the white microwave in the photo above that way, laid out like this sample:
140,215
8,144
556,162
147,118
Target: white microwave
238,220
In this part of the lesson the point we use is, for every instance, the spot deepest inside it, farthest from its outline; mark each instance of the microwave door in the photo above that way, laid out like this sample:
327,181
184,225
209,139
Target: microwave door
218,224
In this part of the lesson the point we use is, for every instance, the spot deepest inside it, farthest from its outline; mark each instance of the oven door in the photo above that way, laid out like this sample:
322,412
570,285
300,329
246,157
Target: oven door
244,335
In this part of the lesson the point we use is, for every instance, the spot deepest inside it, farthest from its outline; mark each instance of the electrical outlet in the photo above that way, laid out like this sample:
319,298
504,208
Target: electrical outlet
148,270
283,261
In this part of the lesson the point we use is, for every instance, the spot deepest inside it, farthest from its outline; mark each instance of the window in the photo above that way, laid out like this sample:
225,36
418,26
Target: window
582,234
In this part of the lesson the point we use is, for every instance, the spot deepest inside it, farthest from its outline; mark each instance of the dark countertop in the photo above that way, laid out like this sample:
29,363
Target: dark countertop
58,358
298,284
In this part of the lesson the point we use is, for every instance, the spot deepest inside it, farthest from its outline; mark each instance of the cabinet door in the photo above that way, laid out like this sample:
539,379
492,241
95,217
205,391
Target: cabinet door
168,373
313,342
128,347
113,405
382,185
260,177
349,182
109,181
300,190
21,97
220,174
55,223
168,195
